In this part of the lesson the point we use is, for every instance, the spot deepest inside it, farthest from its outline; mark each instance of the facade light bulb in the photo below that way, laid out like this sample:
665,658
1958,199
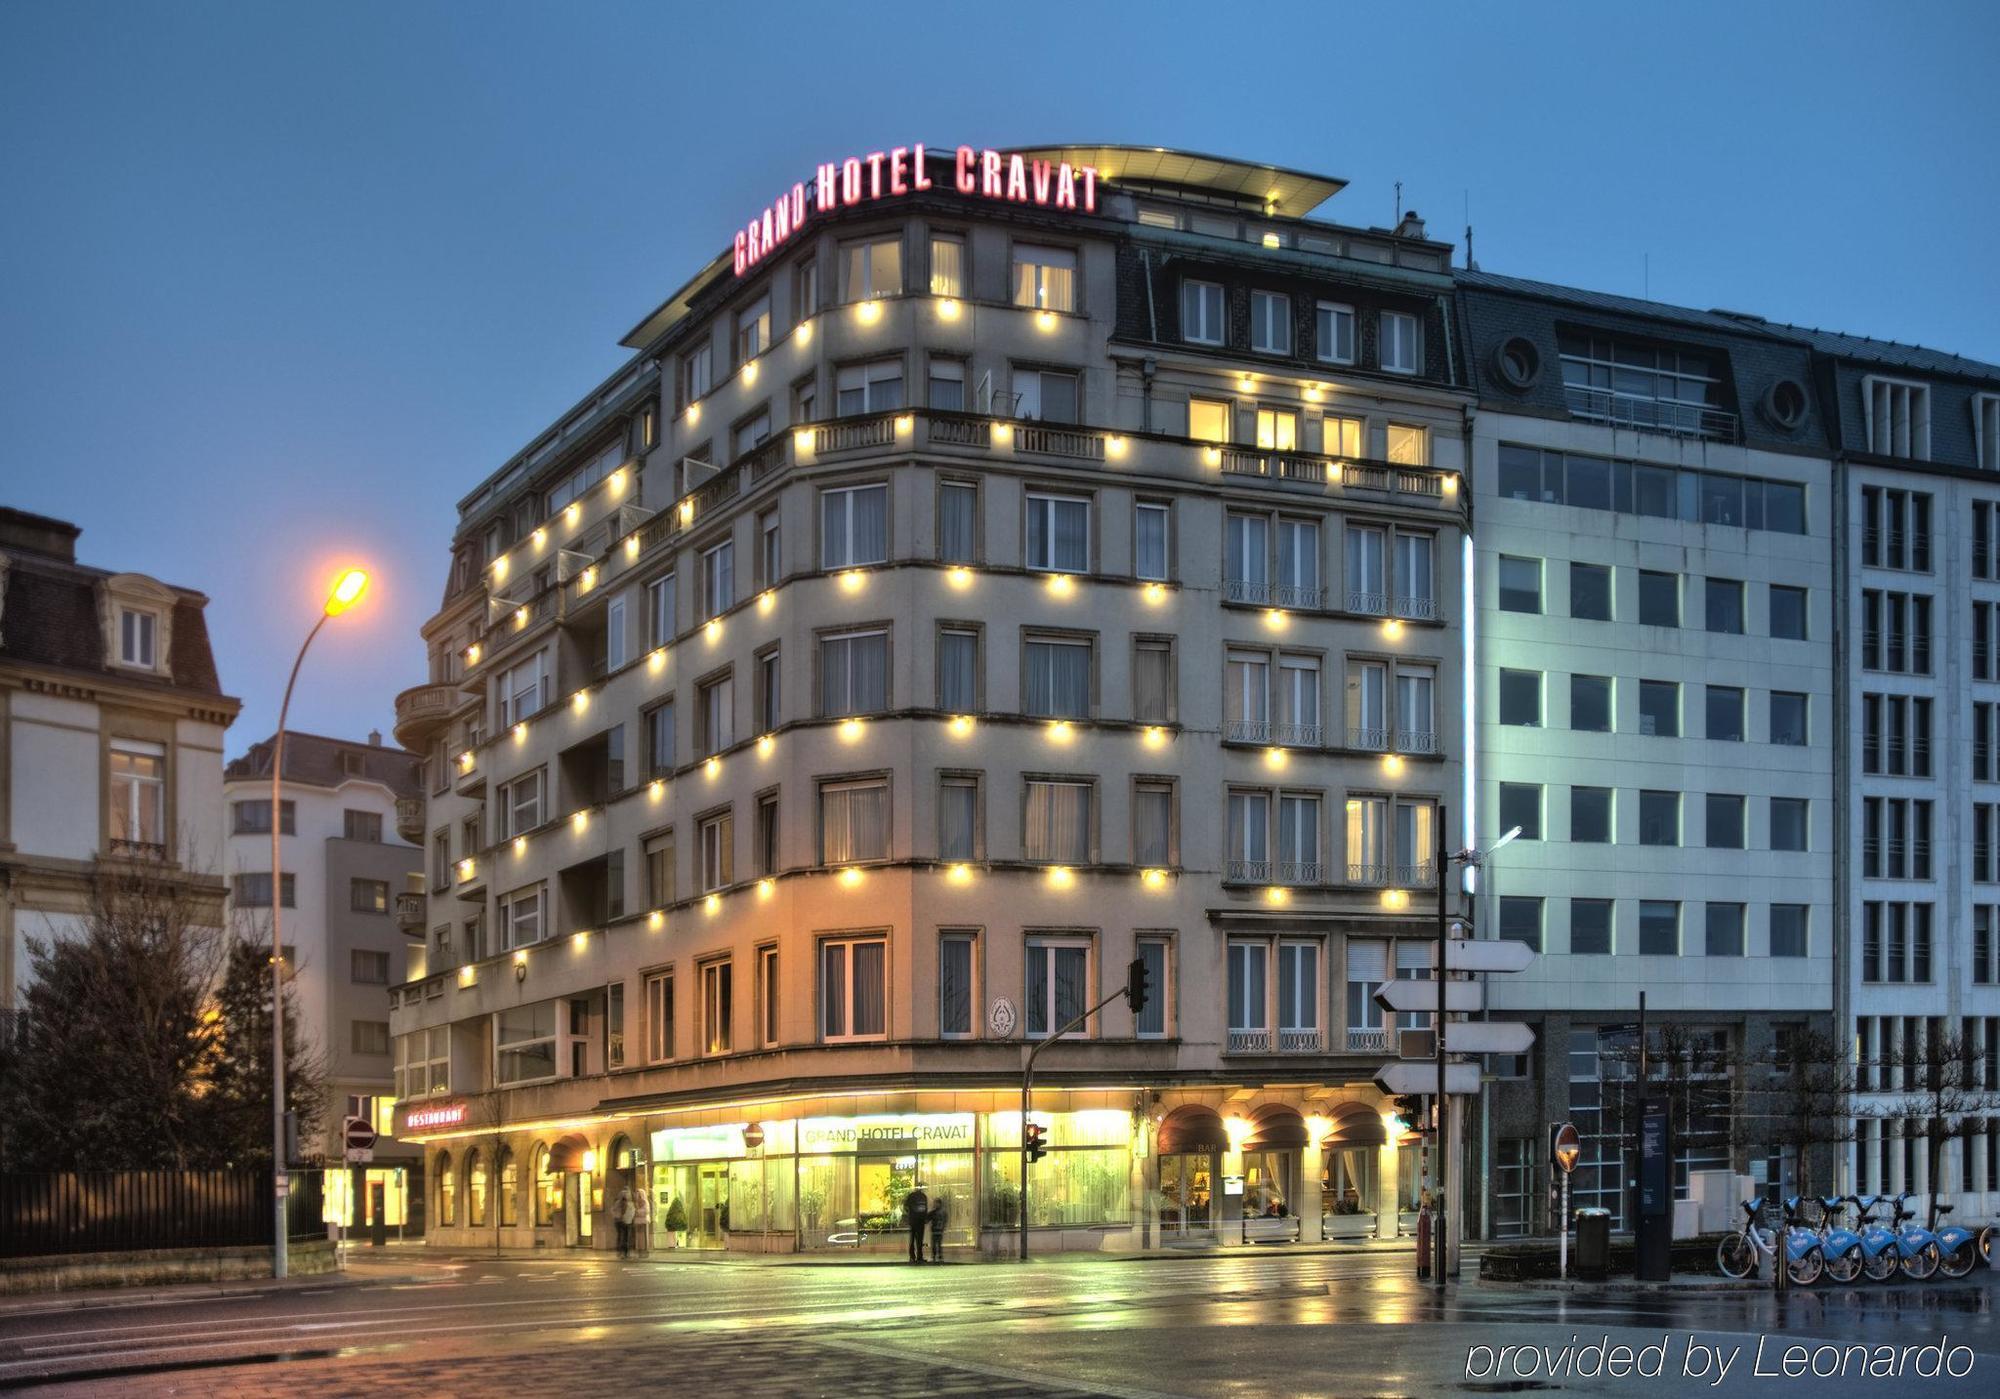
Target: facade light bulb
500,569
520,846
473,653
521,732
712,904
767,600
959,874
804,334
750,375
713,631
868,312
580,701
1155,594
572,514
852,580
1154,879
541,538
961,725
850,876
520,618
657,662
1045,320
656,920
655,789
693,414
1060,731
1277,896
960,578
766,887
906,423
850,729
802,440
713,767
1061,876
579,821
1003,433
1155,736
1061,585
631,546
1276,758
1392,630
948,309
765,745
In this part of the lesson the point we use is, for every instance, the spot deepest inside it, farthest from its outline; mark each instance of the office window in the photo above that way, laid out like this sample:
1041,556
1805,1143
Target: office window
1725,930
717,837
947,265
1044,277
1589,815
1208,420
1153,824
1659,928
1659,599
1660,708
1788,613
367,968
660,870
1521,805
1520,585
1590,927
1047,395
1590,592
955,995
1789,925
1788,718
1335,324
1150,521
853,821
1057,825
1725,713
1152,1020
1590,703
1153,680
358,825
1202,320
1270,323
872,269
1345,438
1058,533
1725,822
876,387
1058,981
1659,818
853,988
1521,919
1056,679
958,670
958,522
368,895
1724,597
958,817
1398,349
853,673
1789,829
1521,697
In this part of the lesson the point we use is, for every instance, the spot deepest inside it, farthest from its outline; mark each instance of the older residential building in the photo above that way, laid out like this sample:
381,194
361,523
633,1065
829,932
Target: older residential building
111,724
349,912
1003,569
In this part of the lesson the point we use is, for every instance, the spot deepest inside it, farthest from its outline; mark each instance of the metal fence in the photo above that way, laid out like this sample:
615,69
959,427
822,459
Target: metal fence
59,1212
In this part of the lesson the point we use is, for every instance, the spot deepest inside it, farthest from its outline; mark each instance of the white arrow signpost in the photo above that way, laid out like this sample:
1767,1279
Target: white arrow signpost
1492,1037
1494,955
1421,997
1417,1076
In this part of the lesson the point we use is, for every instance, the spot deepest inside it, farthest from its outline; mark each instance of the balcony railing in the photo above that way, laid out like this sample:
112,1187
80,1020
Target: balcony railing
1301,872
848,437
1401,876
410,818
1301,1041
1373,740
1367,1041
420,710
1419,609
961,432
138,849
1416,741
1365,478
1653,414
1249,1041
1060,442
1367,603
1264,731
1299,597
1247,871
410,912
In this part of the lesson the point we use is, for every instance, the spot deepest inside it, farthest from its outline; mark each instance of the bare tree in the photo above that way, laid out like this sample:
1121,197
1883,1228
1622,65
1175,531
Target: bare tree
1800,1102
1946,1095
1692,1067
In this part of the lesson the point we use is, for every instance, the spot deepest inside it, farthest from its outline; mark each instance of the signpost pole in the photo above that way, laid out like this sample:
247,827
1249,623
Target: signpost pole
1441,868
1027,1092
1562,1250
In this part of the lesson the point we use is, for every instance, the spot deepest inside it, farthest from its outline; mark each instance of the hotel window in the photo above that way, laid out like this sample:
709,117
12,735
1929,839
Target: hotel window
1057,822
1897,418
524,1040
254,890
1416,574
805,289
718,579
1044,277
1590,927
1416,709
1153,824
1152,1020
853,821
1725,714
1270,323
1521,805
1520,585
872,269
522,916
1247,557
1521,919
1590,703
1590,815
1725,821
357,825
1298,708
764,835
1790,823
750,434
1659,928
1660,708
441,859
875,387
716,700
1298,995
1416,841
1367,570
853,988
955,992
697,378
1788,718
521,804
1153,680
1521,697
717,997
1659,599
1047,395
1246,697
1788,613
805,399
660,756
1398,350
1248,858
853,673
1056,678
753,329
1058,984
1590,592
767,690
1058,533
957,522
1789,930
1277,430
660,610
1724,931
524,689
1151,521
853,526
138,813
1208,420
947,265
947,385
958,817
1659,818
717,837
136,637
660,869
1724,599
958,670
1409,446
1202,320
1345,438
1336,333
616,644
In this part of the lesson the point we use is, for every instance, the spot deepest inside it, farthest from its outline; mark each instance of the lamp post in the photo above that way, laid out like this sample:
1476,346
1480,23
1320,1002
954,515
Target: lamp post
347,590
1471,858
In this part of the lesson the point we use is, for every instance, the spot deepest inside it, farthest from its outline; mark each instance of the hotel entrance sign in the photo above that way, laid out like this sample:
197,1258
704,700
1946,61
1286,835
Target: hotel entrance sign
863,179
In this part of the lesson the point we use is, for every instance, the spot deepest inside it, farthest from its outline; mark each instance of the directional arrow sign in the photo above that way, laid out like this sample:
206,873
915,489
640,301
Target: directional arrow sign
1460,997
1423,1078
1489,1037
1489,955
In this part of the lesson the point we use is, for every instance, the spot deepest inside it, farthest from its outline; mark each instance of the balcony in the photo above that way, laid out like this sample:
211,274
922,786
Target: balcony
1265,733
410,819
1652,414
1298,873
1059,442
1416,741
1368,1041
1389,876
1249,1042
411,913
1416,609
1371,740
1298,597
1287,1041
1300,1041
421,711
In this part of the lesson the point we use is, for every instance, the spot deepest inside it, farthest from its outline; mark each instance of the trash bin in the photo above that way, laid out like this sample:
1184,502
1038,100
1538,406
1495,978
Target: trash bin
1593,1244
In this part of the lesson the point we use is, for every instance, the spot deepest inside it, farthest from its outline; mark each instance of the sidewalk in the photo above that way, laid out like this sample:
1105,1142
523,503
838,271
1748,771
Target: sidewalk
957,1256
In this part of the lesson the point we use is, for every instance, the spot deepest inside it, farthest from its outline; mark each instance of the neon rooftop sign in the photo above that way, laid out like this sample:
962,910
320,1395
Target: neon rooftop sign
842,184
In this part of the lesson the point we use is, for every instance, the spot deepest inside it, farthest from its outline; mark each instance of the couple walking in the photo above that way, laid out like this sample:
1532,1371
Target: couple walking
634,1218
921,1212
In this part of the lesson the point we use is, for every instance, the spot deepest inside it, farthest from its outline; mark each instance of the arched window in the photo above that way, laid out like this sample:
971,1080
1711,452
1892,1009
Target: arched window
510,1186
475,1190
447,1191
548,1188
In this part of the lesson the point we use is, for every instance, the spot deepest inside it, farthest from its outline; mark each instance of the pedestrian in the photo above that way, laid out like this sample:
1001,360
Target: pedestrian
642,1222
621,1214
916,1215
940,1214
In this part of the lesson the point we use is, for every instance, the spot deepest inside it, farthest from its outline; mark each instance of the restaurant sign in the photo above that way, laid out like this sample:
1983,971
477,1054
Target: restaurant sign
429,1118
842,184
944,1131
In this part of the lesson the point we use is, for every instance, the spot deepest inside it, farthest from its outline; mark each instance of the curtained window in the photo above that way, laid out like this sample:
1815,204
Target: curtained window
958,818
1058,982
854,673
854,526
853,994
1058,822
1058,533
853,821
1058,679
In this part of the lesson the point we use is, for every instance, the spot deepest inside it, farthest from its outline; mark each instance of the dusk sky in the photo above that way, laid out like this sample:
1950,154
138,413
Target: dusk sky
279,284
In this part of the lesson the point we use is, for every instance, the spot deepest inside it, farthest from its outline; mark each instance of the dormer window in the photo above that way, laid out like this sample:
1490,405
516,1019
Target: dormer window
135,621
1898,417
138,633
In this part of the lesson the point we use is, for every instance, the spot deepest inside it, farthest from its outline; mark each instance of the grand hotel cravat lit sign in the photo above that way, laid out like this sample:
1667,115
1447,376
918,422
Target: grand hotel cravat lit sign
985,174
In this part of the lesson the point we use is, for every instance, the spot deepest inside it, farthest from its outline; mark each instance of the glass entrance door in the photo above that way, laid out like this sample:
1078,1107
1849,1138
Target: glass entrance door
1187,1195
712,1217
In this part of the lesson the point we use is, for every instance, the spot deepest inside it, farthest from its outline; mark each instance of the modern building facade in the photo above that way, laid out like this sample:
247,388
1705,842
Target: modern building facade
111,725
996,570
348,922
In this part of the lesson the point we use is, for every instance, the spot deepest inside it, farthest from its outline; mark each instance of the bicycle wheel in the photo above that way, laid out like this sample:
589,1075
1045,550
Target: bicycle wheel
1986,1244
1735,1257
1806,1268
1921,1264
1959,1261
1880,1267
1844,1266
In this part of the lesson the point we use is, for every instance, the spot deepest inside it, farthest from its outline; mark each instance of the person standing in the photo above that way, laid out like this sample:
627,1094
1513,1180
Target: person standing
940,1214
916,1217
642,1222
621,1215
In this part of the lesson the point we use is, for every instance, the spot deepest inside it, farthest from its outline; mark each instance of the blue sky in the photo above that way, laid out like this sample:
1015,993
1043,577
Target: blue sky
280,283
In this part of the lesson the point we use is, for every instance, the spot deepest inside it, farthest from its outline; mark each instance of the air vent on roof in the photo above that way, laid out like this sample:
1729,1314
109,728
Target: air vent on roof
1784,405
1517,363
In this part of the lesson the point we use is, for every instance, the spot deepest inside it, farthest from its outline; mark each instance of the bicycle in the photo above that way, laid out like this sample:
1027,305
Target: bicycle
1839,1247
1881,1254
1958,1246
1739,1253
1917,1246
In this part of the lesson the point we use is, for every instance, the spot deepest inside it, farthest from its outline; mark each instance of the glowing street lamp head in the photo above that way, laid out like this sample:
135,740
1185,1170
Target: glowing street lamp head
348,589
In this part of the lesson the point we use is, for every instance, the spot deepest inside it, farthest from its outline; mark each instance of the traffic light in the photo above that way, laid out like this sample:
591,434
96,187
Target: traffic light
1413,1111
1138,984
1037,1142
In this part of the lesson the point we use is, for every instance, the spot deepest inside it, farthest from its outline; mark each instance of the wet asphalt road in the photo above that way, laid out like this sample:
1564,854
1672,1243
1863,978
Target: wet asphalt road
1348,1324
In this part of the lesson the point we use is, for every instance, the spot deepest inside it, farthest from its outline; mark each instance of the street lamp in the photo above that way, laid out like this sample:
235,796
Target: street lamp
1472,857
347,591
